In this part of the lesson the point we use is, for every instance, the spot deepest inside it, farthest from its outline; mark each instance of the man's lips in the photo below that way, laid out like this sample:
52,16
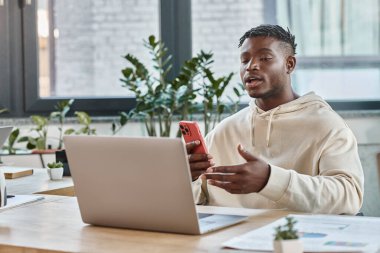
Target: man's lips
253,81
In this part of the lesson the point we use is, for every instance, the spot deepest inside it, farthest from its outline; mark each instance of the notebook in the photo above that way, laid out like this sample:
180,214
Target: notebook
137,183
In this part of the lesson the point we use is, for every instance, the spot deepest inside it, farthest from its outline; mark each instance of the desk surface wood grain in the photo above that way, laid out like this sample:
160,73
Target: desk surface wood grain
55,225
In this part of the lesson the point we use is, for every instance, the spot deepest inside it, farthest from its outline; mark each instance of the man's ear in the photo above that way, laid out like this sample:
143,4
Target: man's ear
290,64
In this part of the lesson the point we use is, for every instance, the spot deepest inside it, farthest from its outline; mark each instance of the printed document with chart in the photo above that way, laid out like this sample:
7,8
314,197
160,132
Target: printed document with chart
318,233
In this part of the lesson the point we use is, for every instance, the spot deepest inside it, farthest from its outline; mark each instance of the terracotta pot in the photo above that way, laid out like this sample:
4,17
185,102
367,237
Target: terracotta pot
288,246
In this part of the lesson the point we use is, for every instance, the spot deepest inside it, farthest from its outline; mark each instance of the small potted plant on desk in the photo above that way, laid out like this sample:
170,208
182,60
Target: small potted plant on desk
286,238
55,170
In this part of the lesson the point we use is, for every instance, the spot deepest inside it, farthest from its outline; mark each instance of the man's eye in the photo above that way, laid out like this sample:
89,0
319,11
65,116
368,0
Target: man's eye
244,61
265,58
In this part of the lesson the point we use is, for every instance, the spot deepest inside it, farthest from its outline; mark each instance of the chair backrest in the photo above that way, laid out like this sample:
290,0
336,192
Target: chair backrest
371,203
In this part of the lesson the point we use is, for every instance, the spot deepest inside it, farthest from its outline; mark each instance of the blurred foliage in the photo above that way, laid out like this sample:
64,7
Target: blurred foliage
158,99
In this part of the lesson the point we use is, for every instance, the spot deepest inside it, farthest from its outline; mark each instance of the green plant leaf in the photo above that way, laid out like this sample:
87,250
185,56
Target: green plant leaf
236,91
221,109
123,118
54,165
13,137
152,40
127,72
69,131
287,231
41,144
83,118
30,146
40,121
2,110
23,139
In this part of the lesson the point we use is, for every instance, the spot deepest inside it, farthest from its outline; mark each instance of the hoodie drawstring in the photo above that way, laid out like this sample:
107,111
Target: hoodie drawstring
270,124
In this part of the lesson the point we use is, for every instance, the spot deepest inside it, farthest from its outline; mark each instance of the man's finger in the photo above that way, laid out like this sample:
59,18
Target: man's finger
225,169
245,154
196,174
223,177
199,157
230,187
191,145
201,166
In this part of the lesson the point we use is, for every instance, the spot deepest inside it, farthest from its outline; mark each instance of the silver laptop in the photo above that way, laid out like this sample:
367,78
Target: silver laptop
137,183
4,133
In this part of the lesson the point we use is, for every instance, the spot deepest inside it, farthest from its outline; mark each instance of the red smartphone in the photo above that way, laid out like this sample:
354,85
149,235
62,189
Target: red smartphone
190,132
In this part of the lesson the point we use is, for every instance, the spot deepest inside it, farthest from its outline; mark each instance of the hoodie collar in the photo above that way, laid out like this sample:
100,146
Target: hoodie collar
294,105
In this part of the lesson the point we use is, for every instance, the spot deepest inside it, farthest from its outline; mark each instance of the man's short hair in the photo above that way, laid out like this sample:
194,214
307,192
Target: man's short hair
274,31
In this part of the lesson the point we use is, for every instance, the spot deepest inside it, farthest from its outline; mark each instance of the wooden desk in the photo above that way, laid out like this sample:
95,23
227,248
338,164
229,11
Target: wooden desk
55,225
39,183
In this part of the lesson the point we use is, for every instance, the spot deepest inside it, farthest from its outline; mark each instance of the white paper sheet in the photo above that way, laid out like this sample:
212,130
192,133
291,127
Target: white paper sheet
19,200
319,233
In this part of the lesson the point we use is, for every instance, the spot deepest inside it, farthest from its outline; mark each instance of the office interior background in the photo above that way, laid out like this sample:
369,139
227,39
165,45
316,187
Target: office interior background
59,49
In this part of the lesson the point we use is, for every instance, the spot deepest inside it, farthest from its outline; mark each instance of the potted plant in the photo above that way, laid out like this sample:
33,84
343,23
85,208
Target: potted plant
62,107
212,89
158,99
37,141
55,170
286,238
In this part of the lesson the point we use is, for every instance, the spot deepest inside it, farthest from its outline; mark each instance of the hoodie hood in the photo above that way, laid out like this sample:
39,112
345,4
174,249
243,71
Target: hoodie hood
293,106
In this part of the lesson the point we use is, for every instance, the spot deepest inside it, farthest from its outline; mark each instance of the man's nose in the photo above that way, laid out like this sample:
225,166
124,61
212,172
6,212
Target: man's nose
252,65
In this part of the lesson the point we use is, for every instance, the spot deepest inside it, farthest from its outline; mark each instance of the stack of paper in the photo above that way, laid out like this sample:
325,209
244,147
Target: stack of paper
319,233
19,200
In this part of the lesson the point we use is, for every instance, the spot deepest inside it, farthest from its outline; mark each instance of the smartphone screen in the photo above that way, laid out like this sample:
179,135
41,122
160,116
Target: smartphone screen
190,132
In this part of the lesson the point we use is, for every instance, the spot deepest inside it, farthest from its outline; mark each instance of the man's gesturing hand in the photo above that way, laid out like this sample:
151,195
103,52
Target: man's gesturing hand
248,177
199,163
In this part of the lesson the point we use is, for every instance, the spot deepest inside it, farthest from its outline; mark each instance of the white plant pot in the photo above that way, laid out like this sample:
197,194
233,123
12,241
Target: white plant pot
288,246
56,173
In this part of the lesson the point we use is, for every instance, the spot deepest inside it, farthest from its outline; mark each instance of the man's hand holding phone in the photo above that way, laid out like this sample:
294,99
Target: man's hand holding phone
199,162
198,156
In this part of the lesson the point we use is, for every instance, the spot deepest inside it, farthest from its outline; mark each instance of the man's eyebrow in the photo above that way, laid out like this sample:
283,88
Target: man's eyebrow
264,49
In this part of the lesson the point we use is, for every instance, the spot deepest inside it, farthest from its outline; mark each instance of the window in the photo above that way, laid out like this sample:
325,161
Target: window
338,47
81,51
217,27
338,43
4,58
59,49
83,43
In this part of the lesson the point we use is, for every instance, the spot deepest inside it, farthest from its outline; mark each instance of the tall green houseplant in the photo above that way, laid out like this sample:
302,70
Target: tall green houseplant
211,91
194,90
157,99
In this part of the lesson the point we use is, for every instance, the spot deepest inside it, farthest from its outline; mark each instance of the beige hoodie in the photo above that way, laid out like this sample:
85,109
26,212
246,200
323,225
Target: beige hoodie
313,156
